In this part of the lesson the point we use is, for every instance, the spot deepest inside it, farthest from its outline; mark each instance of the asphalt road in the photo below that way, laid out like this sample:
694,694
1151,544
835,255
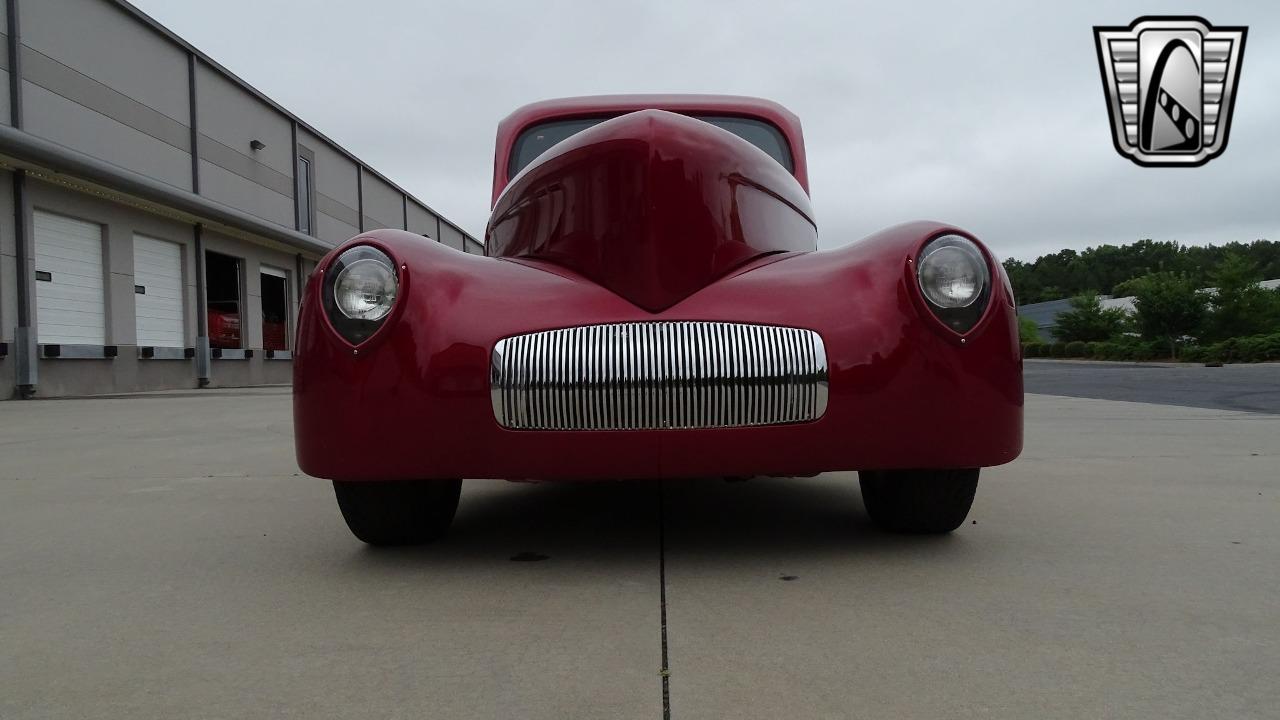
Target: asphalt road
1251,388
161,557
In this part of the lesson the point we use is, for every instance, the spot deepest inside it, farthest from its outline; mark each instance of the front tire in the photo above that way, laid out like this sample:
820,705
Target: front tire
398,512
918,501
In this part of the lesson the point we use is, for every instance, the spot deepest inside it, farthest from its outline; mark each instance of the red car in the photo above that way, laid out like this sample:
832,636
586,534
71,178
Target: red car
653,305
224,324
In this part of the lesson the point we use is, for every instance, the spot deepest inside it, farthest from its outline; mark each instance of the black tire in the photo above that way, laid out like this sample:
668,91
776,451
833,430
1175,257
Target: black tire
918,501
398,512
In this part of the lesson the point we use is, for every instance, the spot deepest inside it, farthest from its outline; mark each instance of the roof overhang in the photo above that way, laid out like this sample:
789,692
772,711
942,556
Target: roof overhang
29,151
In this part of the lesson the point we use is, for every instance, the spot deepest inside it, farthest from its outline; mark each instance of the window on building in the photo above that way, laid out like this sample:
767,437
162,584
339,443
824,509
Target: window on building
222,280
275,309
304,194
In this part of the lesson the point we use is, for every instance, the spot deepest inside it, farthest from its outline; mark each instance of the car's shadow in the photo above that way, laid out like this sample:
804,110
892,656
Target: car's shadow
623,523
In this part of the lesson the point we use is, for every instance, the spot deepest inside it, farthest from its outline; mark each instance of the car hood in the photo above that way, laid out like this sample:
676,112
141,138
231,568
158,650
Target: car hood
653,206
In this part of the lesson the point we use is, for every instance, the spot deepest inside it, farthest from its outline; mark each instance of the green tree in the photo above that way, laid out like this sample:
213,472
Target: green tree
1087,321
1170,307
1028,331
1239,307
1067,273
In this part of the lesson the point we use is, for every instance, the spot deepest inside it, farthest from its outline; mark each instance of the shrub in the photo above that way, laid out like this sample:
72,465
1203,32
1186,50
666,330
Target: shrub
1259,348
1195,353
1227,351
1239,307
1126,348
1152,350
1086,320
1028,331
1107,351
1169,307
1256,348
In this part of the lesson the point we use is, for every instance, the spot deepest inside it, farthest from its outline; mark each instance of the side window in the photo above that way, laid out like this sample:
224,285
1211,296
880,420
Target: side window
304,190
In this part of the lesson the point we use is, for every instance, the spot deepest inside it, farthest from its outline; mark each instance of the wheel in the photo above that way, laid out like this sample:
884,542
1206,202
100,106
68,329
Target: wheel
398,512
918,501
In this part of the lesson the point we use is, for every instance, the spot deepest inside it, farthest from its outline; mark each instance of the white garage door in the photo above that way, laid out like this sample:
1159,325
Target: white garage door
69,283
157,279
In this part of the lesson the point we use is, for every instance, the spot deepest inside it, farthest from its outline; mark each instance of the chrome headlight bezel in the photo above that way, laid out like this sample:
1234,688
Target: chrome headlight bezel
958,260
354,326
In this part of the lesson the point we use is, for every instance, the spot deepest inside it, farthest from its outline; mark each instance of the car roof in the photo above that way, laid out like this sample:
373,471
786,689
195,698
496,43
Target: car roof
588,105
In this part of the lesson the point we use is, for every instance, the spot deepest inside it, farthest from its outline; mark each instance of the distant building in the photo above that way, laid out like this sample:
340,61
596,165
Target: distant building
158,215
1045,314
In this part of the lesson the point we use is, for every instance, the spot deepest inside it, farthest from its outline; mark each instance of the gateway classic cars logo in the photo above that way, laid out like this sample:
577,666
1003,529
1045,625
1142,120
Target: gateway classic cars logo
1170,84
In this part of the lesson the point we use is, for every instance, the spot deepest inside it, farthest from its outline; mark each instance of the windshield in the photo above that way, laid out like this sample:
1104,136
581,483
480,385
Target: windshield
538,139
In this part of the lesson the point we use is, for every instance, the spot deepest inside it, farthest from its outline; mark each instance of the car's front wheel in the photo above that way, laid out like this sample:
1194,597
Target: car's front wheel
398,512
918,501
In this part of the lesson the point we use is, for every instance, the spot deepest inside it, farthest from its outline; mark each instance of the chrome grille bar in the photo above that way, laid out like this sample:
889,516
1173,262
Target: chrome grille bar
658,375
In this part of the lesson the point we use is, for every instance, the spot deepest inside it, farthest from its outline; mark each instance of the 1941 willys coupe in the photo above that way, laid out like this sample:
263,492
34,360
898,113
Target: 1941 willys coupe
652,304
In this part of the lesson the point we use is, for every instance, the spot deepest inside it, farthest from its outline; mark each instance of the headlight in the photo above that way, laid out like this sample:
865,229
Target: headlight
365,289
955,280
359,292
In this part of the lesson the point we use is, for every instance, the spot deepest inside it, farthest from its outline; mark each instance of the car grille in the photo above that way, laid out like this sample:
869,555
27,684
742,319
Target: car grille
659,375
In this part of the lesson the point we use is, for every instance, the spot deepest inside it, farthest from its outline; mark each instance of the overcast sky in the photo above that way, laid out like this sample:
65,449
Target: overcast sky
987,115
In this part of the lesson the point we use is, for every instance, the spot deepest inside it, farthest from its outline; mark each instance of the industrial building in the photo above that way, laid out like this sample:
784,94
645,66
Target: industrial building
158,215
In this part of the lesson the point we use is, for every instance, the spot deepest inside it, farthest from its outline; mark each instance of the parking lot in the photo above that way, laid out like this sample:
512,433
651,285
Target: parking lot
162,557
1251,388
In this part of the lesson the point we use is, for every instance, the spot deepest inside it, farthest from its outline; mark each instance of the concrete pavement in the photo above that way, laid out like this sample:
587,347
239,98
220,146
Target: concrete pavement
1123,568
160,557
